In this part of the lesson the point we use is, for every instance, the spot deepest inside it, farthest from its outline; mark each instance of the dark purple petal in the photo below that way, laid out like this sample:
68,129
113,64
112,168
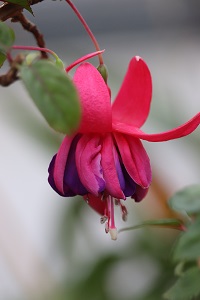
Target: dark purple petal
120,174
130,185
72,183
50,177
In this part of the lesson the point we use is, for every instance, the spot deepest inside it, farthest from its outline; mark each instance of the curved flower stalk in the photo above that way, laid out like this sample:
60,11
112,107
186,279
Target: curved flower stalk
105,160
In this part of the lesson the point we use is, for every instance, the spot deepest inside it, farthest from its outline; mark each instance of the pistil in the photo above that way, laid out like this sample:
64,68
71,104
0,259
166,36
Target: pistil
111,218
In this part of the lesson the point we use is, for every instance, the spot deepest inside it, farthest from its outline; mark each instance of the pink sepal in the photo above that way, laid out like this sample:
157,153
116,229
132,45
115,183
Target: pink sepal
109,167
95,100
133,101
175,133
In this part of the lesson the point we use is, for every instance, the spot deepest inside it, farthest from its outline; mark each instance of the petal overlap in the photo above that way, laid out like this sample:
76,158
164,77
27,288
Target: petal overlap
135,159
111,168
88,163
60,163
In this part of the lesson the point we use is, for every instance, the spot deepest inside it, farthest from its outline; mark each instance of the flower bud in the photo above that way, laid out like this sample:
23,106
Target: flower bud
103,71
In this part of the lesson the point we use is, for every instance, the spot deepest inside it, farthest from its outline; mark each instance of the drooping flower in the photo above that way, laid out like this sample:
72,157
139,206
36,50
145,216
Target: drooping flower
105,160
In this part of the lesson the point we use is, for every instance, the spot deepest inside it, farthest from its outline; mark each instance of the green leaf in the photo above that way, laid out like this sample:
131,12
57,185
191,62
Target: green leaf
54,93
188,245
168,223
7,38
23,3
2,59
186,201
187,286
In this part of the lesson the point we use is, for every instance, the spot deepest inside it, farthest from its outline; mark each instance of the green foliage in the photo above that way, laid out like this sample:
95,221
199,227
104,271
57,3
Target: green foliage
166,223
54,93
187,286
186,201
103,71
23,3
188,246
2,59
7,38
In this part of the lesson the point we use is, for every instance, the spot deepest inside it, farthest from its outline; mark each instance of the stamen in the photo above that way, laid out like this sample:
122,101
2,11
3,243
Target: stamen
124,212
103,219
106,227
117,201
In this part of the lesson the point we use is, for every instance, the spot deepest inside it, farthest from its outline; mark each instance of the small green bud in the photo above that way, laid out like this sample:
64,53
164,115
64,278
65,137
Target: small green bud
59,63
103,71
31,57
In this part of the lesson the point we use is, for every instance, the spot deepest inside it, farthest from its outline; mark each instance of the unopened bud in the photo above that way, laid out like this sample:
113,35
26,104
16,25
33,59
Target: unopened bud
103,71
31,57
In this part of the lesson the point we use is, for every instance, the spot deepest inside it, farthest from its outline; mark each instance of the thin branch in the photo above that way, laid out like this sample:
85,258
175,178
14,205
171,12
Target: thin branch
12,74
9,10
30,27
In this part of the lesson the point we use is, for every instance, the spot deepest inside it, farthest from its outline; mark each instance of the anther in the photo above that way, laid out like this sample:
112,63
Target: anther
117,201
103,219
124,212
106,227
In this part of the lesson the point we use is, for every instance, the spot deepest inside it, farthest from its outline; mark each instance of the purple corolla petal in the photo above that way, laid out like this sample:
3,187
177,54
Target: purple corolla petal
88,162
50,178
71,177
60,163
130,185
109,160
67,192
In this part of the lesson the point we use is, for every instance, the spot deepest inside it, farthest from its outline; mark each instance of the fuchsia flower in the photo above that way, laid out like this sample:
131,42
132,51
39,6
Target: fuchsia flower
105,161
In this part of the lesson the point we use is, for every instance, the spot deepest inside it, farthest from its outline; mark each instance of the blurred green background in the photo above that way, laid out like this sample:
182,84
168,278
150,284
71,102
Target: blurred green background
55,248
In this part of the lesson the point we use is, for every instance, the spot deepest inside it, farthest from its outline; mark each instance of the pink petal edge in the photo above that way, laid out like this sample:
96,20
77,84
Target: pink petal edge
60,163
132,103
135,159
109,168
175,133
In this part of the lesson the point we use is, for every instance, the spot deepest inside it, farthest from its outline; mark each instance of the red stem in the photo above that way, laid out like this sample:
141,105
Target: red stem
78,61
87,29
